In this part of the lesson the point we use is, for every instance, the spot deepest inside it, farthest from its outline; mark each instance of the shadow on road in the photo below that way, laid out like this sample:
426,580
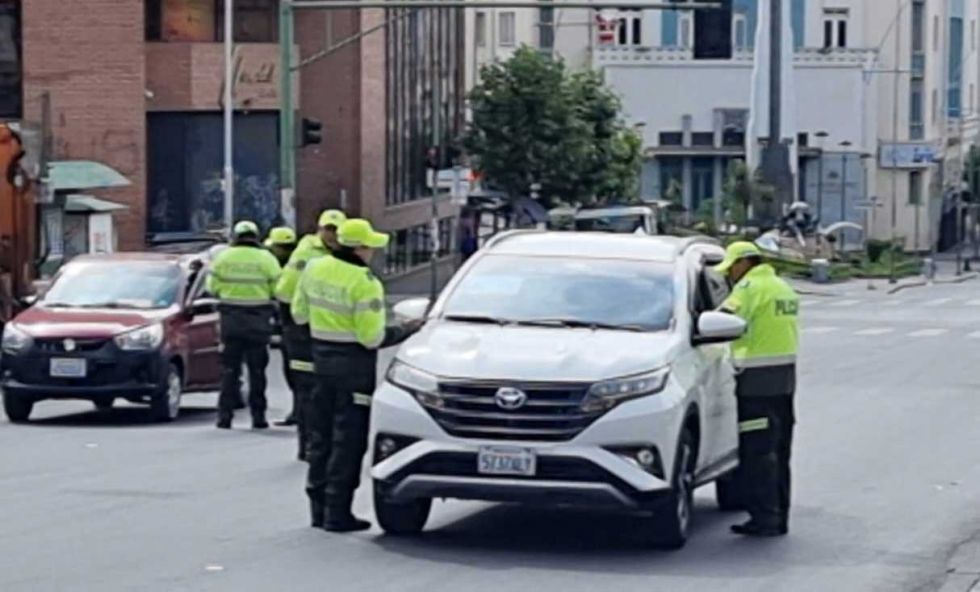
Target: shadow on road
126,417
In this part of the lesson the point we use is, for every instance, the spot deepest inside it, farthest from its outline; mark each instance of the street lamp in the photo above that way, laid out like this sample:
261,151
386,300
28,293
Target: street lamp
821,135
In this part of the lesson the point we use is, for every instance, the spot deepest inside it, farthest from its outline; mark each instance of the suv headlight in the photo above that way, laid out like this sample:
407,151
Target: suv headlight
142,339
423,386
603,396
15,340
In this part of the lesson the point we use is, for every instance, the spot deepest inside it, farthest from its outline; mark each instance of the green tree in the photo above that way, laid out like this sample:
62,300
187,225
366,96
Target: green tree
536,122
742,189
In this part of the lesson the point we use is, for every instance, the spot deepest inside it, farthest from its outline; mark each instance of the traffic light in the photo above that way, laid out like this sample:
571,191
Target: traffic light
311,132
713,32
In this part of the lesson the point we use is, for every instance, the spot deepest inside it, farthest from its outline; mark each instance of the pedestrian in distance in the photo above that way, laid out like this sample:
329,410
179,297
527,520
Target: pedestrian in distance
765,358
296,339
343,304
243,279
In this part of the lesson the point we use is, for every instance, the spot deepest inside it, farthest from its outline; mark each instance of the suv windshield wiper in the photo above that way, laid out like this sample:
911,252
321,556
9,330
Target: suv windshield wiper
483,319
576,323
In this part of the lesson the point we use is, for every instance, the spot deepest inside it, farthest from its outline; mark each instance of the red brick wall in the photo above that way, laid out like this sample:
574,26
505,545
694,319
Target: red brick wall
330,91
89,55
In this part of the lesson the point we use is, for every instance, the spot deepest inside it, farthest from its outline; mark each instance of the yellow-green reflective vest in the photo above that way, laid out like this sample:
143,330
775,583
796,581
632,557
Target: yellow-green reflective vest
771,308
244,276
341,302
310,247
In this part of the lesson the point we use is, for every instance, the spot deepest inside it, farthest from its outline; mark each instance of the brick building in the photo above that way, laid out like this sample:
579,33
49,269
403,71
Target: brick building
137,85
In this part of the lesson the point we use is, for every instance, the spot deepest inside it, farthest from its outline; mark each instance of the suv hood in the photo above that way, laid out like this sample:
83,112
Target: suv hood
487,352
77,323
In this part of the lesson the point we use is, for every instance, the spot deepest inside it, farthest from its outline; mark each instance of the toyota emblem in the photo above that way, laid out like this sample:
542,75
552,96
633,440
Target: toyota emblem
510,398
69,345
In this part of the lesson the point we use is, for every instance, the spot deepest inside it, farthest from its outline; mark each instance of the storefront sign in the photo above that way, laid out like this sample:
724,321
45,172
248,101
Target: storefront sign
256,79
907,156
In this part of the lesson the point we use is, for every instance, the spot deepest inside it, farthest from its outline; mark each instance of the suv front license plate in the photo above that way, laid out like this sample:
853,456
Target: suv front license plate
506,461
68,367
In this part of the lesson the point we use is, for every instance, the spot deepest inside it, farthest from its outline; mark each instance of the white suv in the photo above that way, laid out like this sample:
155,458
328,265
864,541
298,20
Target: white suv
563,369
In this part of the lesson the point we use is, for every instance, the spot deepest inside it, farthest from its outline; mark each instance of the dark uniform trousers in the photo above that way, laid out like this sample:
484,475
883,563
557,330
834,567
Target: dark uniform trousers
338,416
245,333
297,346
766,419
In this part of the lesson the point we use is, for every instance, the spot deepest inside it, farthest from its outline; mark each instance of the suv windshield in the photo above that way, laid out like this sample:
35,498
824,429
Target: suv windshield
619,224
632,295
115,284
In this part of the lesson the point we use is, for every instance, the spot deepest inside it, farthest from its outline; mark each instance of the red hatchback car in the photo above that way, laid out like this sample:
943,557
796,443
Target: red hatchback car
133,326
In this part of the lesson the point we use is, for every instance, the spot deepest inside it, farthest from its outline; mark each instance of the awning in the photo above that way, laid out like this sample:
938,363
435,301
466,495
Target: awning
67,175
87,204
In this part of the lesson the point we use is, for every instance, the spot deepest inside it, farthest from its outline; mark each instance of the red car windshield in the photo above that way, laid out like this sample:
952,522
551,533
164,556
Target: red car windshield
115,284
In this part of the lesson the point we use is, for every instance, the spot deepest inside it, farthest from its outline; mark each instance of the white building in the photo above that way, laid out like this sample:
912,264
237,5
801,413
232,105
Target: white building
693,113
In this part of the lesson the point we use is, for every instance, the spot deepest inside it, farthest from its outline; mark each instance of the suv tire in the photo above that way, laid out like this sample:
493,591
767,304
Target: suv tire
673,521
401,519
18,410
165,406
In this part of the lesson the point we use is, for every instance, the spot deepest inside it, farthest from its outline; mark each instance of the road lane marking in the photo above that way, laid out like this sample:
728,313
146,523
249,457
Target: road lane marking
875,331
937,302
974,335
973,302
929,333
842,303
818,330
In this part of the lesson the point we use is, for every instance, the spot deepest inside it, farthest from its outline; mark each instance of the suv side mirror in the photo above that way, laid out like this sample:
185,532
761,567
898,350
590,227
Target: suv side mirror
413,309
718,327
202,306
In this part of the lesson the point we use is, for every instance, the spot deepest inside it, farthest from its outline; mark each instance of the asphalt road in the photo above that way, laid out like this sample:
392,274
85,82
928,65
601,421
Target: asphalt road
886,485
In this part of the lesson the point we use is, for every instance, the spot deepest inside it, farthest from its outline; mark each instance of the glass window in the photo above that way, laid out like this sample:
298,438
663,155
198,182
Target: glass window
11,68
835,27
828,34
671,138
508,30
202,21
702,181
481,29
935,33
627,293
685,24
623,224
740,38
546,33
918,25
935,106
113,283
915,188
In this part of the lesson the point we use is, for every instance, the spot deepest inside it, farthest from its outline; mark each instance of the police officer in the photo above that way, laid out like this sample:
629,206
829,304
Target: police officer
765,358
344,305
281,242
296,338
243,278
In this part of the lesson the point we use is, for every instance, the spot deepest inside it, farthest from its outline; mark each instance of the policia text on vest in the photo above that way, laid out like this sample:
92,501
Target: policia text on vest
765,358
343,304
243,278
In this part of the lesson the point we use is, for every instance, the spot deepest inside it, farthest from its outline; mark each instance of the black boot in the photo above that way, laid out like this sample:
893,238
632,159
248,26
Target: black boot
317,514
757,529
341,520
224,422
289,421
259,422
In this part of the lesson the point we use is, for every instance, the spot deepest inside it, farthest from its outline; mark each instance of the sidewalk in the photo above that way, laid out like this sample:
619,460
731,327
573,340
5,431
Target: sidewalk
945,274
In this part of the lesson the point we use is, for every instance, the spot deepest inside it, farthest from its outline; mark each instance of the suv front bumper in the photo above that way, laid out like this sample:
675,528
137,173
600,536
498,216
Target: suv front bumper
594,469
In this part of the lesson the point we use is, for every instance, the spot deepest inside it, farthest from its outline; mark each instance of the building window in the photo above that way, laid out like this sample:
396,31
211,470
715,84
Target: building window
915,188
918,26
11,67
508,29
184,160
685,25
202,21
423,61
702,181
972,97
916,129
671,178
671,138
973,34
546,28
934,108
630,27
481,29
835,27
740,31
935,33
703,139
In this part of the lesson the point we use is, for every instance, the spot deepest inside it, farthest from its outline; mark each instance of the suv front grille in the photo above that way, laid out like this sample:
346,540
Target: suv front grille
552,412
57,346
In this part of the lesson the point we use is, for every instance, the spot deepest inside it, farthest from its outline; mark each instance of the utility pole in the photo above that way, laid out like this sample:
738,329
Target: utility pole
894,222
775,155
287,115
229,114
437,146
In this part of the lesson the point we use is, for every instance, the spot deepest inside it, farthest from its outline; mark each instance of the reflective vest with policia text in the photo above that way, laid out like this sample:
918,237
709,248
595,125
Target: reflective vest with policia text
766,355
343,303
310,247
244,275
